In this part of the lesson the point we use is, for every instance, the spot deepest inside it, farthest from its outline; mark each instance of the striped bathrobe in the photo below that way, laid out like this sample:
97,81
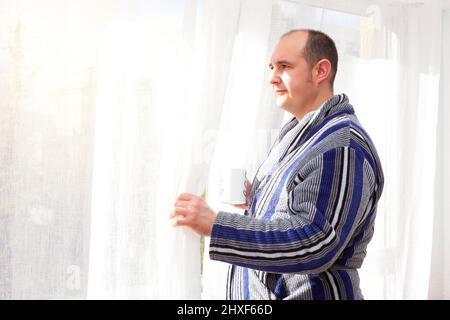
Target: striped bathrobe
311,215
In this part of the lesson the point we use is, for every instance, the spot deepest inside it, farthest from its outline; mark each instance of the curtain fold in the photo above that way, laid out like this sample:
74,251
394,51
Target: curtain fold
109,110
439,282
247,119
185,98
422,74
47,88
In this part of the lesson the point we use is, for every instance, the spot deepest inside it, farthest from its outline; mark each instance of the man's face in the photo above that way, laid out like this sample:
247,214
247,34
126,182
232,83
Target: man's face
291,76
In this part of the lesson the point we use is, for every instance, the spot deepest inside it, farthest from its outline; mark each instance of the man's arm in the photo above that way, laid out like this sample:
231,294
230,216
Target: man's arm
325,207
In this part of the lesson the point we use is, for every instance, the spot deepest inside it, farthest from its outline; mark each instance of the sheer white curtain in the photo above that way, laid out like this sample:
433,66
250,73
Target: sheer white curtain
439,287
248,121
109,109
162,150
47,105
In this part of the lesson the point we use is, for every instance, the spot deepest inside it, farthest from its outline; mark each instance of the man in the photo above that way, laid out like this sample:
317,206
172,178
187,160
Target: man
313,201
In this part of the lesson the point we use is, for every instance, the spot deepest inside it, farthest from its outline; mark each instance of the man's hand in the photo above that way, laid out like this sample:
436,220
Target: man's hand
248,188
193,212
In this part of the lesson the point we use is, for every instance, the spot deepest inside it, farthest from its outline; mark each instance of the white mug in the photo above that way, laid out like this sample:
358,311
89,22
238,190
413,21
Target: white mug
232,186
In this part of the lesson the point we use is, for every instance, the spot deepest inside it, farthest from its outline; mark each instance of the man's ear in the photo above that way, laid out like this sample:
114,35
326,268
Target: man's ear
322,70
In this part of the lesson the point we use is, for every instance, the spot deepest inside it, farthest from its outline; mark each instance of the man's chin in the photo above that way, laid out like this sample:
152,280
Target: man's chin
282,102
282,105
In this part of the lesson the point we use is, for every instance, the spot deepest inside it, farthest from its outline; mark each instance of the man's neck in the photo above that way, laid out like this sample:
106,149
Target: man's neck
319,100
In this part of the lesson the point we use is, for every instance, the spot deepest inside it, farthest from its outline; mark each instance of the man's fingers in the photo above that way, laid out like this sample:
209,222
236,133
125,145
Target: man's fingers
182,203
180,221
186,196
178,211
240,206
248,188
175,221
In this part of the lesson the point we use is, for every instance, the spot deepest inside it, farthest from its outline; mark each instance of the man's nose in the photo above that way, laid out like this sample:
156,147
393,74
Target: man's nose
274,78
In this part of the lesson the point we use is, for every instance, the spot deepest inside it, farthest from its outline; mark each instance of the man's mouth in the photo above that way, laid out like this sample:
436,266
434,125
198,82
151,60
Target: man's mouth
280,92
